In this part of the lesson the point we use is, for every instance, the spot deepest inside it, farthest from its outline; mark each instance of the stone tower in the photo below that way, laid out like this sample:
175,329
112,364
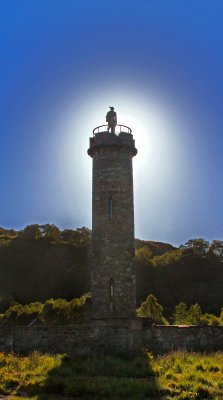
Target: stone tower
113,279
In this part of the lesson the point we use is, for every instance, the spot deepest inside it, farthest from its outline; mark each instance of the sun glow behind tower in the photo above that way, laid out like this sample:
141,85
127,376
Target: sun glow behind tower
159,169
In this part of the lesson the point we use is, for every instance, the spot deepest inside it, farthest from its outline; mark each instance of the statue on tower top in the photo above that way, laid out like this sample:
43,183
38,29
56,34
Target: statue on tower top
111,119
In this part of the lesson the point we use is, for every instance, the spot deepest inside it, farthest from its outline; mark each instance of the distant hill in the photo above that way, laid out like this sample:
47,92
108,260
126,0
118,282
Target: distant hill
42,262
157,248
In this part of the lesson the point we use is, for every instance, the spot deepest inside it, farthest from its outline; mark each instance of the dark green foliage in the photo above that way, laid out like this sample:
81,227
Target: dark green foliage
199,246
182,316
157,248
181,275
6,236
42,262
61,311
216,248
144,253
50,232
24,315
193,316
36,266
150,308
210,319
52,312
82,236
8,232
31,232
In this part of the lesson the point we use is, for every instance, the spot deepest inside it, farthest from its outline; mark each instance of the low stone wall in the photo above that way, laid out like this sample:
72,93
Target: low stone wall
192,338
110,339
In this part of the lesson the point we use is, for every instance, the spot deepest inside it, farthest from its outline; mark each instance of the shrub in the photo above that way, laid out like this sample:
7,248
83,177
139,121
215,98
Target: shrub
193,316
61,311
150,308
19,314
58,311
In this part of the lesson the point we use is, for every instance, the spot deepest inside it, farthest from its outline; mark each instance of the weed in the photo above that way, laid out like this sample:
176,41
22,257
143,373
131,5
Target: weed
199,367
179,376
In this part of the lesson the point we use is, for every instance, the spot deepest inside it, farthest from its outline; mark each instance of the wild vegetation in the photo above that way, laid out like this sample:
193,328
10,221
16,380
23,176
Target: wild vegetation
191,274
194,316
179,376
150,308
77,312
52,312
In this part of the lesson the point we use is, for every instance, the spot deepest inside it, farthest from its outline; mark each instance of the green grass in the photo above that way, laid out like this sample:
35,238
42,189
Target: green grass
179,375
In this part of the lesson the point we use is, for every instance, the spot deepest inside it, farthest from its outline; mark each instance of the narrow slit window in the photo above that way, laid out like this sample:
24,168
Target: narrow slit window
111,290
110,209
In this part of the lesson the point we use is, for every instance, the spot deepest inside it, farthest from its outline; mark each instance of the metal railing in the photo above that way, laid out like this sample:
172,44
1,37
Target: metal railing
98,129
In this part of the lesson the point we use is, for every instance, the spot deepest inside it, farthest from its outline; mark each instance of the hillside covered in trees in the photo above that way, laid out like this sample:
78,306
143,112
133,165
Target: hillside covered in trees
42,262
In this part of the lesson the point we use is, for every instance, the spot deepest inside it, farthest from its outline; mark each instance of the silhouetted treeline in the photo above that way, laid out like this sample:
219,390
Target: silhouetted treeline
42,262
191,274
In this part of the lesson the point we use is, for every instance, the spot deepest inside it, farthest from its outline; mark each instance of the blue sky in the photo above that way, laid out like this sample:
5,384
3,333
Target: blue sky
159,62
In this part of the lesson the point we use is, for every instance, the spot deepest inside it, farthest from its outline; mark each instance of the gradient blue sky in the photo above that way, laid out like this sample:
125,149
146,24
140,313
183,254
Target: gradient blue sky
160,63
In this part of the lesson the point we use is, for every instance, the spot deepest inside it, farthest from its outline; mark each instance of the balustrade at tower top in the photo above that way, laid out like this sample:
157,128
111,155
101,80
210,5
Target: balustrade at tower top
112,134
105,128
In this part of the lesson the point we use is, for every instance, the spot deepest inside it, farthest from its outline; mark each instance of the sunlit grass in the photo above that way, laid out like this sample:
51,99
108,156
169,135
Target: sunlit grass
179,375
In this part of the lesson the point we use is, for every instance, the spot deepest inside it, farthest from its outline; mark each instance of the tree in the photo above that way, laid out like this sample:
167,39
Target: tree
194,314
31,232
217,249
67,235
50,232
181,314
144,253
80,236
199,246
210,319
61,311
85,235
221,316
150,308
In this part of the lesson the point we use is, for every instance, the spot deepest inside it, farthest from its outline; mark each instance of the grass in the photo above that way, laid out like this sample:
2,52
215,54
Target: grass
179,375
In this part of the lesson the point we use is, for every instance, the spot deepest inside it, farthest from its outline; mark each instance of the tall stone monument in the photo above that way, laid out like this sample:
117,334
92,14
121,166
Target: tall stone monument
113,279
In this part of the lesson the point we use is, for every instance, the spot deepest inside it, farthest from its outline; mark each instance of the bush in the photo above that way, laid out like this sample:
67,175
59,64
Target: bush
22,315
194,316
210,319
61,311
150,308
58,311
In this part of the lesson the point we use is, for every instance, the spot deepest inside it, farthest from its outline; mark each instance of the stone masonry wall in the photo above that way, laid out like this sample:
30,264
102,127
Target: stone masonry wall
111,340
112,226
